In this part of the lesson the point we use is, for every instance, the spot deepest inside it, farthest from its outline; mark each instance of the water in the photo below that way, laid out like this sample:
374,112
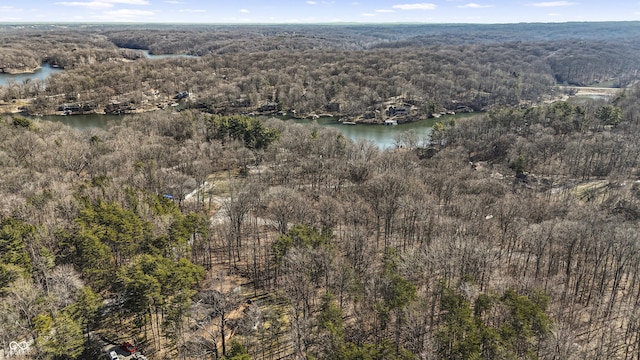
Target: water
47,70
383,136
41,74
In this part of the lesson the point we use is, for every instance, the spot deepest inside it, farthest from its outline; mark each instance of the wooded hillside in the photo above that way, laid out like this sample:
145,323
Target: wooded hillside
353,71
511,234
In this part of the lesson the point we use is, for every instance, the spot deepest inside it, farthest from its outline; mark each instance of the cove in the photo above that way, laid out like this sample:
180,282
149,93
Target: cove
41,73
382,136
46,70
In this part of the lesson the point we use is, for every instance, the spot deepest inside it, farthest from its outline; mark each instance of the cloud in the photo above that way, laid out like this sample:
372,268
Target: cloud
244,11
420,6
474,6
10,9
129,13
553,14
233,19
128,2
385,11
553,4
326,3
101,4
368,14
89,4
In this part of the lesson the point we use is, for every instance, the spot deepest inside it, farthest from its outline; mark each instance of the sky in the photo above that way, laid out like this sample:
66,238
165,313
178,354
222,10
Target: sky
317,11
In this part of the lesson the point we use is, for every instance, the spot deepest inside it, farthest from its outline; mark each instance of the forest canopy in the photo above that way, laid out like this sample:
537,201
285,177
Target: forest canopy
354,71
214,230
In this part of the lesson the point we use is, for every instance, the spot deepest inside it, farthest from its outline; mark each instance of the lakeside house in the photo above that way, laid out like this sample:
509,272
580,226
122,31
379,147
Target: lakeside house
397,111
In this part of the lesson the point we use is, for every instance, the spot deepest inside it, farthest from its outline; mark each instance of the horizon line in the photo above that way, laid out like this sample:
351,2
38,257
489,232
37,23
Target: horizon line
307,23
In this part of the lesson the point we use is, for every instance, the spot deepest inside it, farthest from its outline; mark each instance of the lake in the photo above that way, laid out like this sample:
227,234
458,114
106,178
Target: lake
41,74
47,70
383,136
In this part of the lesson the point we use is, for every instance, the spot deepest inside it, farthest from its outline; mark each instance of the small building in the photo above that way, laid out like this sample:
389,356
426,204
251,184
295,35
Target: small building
390,122
269,107
397,111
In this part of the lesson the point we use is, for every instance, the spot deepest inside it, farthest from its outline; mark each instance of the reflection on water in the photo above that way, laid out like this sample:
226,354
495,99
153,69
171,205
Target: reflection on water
383,136
47,70
41,74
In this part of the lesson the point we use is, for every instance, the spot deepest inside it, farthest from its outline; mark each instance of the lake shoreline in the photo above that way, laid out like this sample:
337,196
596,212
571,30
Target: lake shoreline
20,72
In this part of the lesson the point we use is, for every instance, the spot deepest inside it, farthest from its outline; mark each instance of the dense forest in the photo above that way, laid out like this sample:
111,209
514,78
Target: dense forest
207,234
357,72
